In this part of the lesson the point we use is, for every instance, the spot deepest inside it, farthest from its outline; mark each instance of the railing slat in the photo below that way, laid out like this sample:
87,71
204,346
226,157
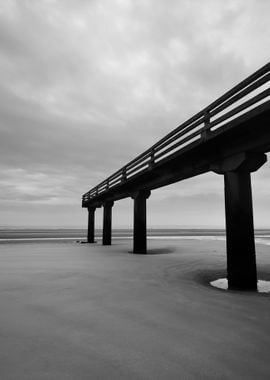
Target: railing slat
240,95
181,133
138,168
241,107
179,143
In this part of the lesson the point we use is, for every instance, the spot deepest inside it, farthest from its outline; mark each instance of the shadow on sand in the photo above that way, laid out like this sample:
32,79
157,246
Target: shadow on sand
160,251
155,251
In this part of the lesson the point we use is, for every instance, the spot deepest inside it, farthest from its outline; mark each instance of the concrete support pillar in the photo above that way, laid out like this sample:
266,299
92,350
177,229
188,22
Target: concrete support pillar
241,256
91,225
107,223
139,225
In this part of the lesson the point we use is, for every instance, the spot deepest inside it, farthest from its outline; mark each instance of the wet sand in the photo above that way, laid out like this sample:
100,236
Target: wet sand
79,311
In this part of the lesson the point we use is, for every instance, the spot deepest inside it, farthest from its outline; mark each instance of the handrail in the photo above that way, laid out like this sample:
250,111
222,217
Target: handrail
198,127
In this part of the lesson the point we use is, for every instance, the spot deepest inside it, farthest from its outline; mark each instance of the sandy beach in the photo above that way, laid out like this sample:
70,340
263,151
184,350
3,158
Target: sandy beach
80,311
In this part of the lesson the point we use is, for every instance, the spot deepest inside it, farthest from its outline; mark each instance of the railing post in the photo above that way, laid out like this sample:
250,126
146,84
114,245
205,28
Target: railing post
152,159
91,225
206,128
107,223
241,255
139,226
124,175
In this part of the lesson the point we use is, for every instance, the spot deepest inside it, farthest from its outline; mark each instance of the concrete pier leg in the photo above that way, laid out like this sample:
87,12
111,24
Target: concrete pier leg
241,255
107,223
91,225
139,226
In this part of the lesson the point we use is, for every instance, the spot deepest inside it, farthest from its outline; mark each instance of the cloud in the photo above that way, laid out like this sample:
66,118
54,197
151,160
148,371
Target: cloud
85,86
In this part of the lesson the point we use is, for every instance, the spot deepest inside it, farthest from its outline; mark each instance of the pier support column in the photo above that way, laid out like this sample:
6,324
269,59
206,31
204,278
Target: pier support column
107,223
241,255
91,225
139,225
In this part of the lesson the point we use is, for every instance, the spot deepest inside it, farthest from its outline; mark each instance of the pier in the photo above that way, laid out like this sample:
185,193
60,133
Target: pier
230,137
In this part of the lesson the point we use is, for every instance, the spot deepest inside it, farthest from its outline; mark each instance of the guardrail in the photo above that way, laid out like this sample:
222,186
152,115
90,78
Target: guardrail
247,95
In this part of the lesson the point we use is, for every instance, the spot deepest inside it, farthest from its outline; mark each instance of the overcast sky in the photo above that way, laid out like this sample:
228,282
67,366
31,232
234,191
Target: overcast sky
86,85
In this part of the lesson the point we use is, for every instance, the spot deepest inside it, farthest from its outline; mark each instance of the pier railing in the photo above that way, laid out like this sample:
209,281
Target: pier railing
244,97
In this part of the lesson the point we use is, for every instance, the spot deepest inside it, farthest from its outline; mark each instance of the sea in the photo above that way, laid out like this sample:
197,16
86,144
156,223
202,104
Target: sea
8,234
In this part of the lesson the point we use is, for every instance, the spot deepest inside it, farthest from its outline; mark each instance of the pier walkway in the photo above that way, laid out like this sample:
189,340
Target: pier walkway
229,137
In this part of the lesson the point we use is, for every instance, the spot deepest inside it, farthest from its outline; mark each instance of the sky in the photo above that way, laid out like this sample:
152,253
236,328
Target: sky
87,85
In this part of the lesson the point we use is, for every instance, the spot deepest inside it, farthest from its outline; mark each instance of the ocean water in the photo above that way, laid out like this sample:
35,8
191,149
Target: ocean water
262,236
